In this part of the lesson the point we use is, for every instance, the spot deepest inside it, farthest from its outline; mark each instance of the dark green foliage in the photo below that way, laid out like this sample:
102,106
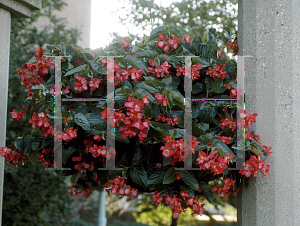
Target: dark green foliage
29,191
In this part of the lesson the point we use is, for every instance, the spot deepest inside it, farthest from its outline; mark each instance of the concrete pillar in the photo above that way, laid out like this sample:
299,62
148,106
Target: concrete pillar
269,31
8,9
5,24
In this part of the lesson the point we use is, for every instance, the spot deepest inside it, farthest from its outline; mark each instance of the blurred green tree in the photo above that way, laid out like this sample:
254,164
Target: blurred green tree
191,17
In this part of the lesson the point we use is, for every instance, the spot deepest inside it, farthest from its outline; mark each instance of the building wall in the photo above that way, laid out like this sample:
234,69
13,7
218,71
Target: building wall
77,14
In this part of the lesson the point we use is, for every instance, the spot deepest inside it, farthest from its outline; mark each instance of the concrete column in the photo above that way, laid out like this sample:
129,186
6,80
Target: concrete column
5,24
8,9
269,31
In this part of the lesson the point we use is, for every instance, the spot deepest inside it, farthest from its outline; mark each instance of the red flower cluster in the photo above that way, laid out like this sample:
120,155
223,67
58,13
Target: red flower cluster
133,72
253,165
94,83
236,93
176,148
234,47
248,119
224,139
97,151
132,124
42,122
215,162
84,166
41,68
80,84
78,193
217,72
164,45
251,135
124,44
228,122
64,91
226,188
69,134
118,185
161,99
219,52
160,70
42,160
12,156
175,203
195,70
17,115
169,121
186,39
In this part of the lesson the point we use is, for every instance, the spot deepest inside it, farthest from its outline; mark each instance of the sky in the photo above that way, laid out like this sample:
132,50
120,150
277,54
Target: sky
103,21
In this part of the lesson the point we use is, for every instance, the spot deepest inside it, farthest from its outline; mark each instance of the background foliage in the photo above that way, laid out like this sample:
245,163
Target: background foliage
192,17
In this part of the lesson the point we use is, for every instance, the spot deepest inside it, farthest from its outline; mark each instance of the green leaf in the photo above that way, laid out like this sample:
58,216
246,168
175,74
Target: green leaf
66,153
206,114
80,69
174,133
148,111
168,81
158,176
38,106
33,158
82,121
35,146
167,160
160,127
139,175
201,61
158,86
219,146
195,110
136,63
206,190
27,103
190,180
170,176
139,156
161,30
197,129
74,177
27,144
197,88
157,61
204,50
218,86
178,133
203,142
122,93
18,143
177,97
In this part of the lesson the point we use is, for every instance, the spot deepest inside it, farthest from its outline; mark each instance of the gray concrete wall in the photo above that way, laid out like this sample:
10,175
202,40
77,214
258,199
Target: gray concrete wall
78,15
269,31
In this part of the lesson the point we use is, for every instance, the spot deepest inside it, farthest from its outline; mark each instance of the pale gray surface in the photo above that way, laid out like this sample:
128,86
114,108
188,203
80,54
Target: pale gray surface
269,31
4,68
20,8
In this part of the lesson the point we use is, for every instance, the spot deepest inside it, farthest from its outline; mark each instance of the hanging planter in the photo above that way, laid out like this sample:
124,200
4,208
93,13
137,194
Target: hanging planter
148,119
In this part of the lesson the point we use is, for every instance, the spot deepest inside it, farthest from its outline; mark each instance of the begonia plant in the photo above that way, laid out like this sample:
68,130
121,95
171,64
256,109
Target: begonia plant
148,118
